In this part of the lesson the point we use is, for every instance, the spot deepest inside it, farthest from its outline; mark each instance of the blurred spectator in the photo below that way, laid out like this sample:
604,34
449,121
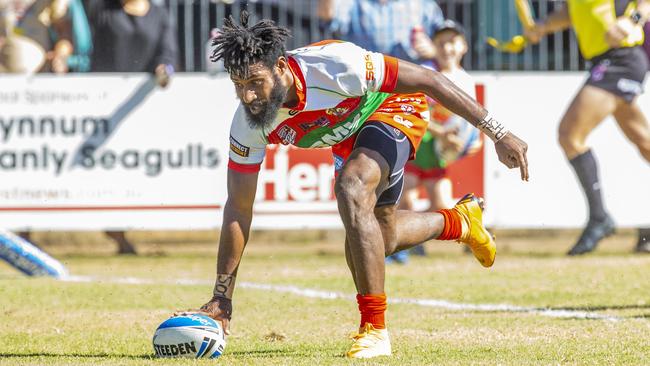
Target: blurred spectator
646,45
132,36
212,68
79,60
22,44
400,28
449,137
44,35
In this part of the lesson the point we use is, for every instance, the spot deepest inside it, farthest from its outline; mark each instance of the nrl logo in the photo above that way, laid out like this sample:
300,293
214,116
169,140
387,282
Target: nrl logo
323,121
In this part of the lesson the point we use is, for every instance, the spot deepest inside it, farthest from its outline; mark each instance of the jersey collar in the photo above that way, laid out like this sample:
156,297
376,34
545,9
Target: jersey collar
299,82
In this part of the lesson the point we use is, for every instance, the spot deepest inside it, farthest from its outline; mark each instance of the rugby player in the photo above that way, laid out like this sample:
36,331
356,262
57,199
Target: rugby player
370,109
610,33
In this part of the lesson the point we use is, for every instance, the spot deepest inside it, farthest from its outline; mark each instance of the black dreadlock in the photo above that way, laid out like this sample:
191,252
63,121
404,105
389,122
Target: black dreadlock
240,46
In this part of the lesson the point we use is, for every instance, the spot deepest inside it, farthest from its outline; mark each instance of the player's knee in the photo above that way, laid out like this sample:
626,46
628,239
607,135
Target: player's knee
350,190
567,142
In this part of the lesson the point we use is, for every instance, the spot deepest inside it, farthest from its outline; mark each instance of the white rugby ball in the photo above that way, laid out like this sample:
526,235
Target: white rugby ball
190,336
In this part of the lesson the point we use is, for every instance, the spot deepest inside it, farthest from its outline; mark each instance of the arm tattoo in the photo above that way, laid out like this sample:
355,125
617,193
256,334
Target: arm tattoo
224,286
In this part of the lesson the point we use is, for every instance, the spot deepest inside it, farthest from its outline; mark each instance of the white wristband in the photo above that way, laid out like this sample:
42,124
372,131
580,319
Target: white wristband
492,128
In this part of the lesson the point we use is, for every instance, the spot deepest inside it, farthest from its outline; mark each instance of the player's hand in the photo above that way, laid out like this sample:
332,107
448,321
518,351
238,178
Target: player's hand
218,308
512,153
534,35
618,31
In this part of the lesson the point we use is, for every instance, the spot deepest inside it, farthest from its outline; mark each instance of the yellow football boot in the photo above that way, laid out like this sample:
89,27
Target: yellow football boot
370,343
474,234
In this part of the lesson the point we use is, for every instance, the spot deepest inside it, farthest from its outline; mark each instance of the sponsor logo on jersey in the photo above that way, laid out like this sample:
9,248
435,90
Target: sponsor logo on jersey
307,126
407,100
407,108
402,121
287,135
338,162
338,111
339,133
238,148
370,68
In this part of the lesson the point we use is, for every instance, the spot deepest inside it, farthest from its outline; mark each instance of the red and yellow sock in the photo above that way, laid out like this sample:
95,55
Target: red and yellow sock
372,309
453,225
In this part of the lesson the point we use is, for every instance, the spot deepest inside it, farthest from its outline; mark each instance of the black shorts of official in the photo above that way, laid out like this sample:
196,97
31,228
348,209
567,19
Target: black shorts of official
620,71
395,148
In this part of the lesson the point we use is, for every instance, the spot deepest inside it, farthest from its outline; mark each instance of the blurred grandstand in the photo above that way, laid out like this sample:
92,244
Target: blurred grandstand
481,19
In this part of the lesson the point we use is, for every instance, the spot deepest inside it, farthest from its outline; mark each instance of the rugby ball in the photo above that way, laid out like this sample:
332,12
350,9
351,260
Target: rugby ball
189,336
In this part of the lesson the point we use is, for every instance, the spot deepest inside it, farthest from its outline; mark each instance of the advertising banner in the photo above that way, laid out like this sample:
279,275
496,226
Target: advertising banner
92,152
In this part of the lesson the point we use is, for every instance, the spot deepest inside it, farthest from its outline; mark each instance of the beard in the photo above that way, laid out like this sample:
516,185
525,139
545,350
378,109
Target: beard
268,110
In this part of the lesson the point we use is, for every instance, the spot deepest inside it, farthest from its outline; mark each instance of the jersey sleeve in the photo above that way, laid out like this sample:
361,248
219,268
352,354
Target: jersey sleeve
347,69
247,145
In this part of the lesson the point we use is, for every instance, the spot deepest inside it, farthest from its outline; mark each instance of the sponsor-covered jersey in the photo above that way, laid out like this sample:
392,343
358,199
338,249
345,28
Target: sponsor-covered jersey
340,86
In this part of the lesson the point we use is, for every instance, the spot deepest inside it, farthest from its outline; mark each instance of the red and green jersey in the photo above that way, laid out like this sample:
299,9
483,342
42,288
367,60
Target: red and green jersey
340,86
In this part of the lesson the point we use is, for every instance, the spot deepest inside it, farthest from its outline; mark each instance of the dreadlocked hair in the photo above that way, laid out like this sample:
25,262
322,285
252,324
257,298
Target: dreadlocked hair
241,46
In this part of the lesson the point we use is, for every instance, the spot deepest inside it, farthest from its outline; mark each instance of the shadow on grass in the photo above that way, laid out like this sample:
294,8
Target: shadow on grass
76,355
265,353
272,353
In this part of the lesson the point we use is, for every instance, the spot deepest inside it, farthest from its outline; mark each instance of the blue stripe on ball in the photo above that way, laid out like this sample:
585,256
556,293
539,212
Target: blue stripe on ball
194,320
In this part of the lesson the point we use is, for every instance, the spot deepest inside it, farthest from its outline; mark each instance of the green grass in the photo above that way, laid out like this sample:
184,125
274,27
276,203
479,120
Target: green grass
48,322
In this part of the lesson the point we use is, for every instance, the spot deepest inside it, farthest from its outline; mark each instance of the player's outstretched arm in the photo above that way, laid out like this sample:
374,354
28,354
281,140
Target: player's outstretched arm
237,217
417,79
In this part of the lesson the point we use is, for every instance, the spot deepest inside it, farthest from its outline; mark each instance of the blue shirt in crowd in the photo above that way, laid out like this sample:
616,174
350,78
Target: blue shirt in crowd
385,26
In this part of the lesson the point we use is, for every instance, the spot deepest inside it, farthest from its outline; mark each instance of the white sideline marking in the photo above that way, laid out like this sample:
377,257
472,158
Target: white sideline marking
331,295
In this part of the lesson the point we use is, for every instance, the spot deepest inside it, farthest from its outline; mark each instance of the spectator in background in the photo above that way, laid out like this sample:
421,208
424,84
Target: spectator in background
449,137
132,36
32,30
400,28
646,45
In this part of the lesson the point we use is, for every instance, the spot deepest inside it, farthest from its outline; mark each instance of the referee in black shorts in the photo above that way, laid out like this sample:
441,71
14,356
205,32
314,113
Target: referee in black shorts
609,33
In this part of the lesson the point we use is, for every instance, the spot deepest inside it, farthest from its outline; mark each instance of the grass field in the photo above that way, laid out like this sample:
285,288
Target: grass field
48,322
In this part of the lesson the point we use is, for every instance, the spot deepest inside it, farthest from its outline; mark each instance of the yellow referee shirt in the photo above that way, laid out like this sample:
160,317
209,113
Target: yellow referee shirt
592,18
